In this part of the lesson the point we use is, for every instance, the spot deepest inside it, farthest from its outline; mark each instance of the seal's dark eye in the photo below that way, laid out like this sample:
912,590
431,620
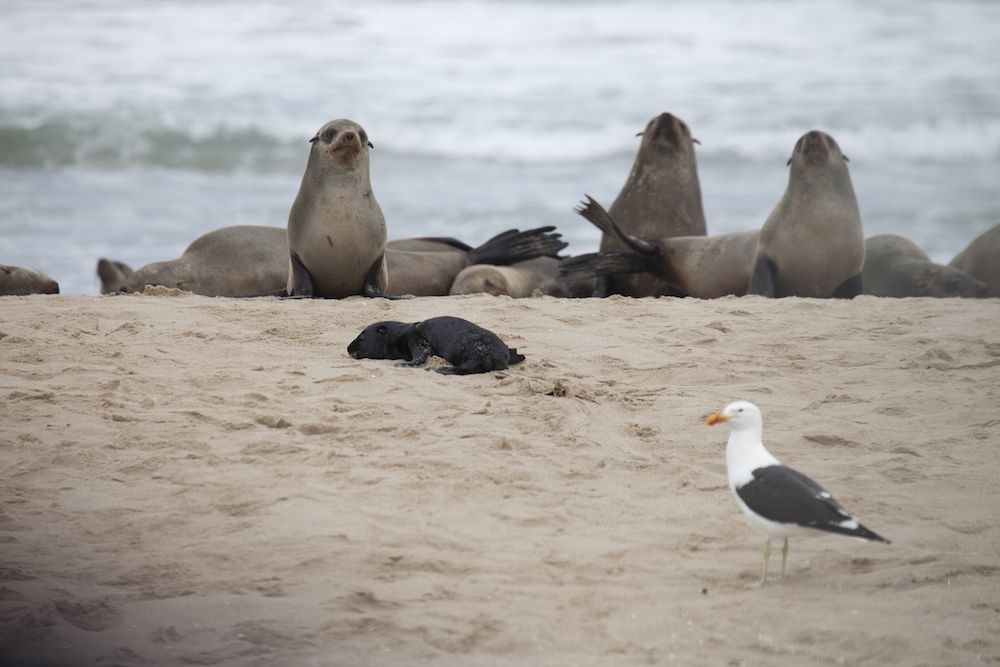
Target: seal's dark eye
380,330
329,134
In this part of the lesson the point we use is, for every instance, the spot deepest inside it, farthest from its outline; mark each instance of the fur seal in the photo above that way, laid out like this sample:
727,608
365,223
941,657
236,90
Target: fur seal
467,346
704,267
19,281
535,277
981,259
336,229
897,267
242,260
431,271
812,244
660,199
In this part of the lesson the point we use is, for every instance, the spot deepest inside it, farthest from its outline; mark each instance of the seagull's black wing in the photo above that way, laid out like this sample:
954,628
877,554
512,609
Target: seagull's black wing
783,495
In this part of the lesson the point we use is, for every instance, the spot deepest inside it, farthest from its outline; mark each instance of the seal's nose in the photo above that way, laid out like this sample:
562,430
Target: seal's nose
349,136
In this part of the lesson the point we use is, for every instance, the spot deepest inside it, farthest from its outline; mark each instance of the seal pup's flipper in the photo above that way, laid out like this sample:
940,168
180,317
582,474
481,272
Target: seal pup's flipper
594,213
849,289
302,282
420,351
513,356
762,279
514,246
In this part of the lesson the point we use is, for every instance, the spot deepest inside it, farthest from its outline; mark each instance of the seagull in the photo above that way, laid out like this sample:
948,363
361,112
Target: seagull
776,499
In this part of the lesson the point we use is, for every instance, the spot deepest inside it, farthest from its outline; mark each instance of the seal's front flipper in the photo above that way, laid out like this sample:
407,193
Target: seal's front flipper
849,289
377,280
302,282
762,280
420,351
513,356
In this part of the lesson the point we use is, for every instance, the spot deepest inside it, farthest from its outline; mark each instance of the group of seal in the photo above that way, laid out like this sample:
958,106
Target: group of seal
812,244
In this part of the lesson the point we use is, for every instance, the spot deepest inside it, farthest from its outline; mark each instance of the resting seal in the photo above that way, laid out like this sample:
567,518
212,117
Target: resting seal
660,199
812,244
427,267
535,277
704,267
19,281
897,267
469,347
243,260
981,260
336,230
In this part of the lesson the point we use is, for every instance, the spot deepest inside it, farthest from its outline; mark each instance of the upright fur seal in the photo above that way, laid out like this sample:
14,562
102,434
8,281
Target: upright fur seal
431,272
897,267
660,199
469,347
336,230
812,244
705,267
981,259
19,281
242,260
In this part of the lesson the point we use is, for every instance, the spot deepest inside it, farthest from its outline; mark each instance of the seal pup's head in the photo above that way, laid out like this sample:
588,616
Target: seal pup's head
344,142
19,281
382,340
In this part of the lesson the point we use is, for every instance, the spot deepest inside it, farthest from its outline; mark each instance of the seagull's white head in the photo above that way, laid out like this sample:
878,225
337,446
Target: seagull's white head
740,415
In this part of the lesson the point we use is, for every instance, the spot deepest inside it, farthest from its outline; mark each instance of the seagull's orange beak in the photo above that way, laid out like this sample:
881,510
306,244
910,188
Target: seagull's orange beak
715,418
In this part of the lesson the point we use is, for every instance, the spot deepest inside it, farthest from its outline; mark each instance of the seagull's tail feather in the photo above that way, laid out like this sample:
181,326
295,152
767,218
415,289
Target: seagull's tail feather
853,529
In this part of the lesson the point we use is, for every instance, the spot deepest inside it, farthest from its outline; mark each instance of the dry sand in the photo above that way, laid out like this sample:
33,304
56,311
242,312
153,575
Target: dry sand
189,480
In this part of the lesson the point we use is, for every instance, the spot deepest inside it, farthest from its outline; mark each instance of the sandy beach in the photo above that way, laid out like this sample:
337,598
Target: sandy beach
192,480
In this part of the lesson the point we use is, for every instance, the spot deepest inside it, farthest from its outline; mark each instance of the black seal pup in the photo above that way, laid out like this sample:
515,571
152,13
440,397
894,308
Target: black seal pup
469,347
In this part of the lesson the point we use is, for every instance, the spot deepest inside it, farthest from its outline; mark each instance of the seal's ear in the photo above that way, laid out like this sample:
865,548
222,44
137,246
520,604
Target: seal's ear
371,145
314,139
847,159
695,141
789,162
639,134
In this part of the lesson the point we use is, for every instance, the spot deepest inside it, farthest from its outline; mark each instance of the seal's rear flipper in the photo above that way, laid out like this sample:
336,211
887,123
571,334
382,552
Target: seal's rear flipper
603,264
849,289
514,246
594,213
513,357
302,282
762,280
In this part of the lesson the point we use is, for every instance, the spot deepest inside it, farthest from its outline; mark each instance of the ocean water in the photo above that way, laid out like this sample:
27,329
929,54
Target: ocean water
128,128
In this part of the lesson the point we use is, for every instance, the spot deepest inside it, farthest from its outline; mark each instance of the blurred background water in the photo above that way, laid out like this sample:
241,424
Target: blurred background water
128,128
